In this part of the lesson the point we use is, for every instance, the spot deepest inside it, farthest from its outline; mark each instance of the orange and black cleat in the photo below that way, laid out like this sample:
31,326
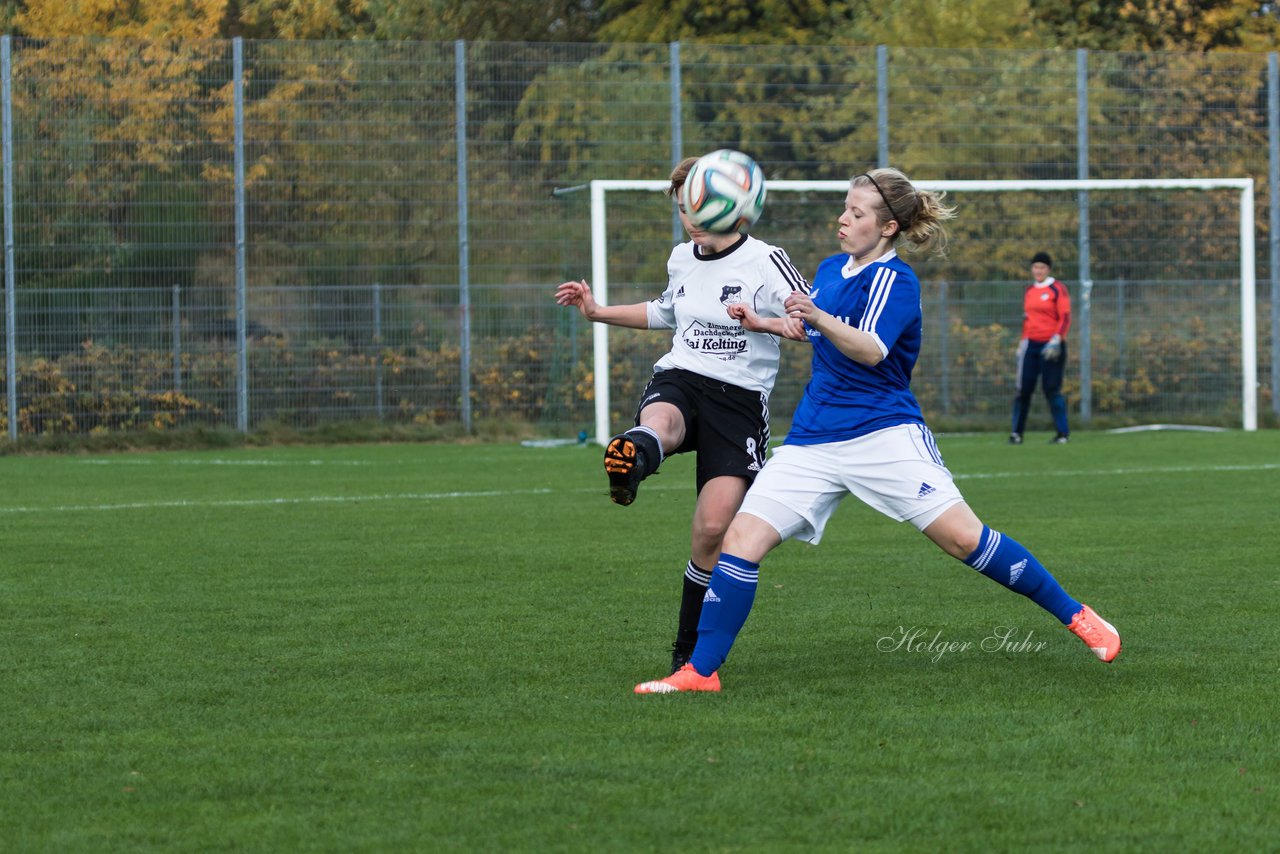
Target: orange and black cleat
622,463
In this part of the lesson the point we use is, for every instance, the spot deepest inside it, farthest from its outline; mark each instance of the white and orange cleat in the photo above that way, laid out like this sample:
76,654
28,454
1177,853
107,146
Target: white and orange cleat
684,679
1097,634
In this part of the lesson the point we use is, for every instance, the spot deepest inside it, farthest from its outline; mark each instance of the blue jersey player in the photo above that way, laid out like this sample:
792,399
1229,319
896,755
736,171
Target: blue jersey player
858,430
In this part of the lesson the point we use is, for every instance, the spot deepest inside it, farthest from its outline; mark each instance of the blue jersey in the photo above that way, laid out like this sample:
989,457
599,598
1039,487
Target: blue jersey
845,399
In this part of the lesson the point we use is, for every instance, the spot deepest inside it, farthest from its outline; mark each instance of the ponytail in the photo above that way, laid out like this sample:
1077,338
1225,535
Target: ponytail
921,214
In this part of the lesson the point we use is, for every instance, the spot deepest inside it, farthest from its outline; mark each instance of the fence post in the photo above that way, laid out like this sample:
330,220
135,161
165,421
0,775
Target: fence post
242,358
175,313
1122,335
1273,202
677,134
10,302
882,105
377,348
464,249
1082,200
944,321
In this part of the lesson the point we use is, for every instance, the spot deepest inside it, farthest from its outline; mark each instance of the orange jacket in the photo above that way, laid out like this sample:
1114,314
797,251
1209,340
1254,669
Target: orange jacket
1046,311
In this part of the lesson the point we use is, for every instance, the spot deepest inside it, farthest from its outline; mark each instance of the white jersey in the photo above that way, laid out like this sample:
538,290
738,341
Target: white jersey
707,340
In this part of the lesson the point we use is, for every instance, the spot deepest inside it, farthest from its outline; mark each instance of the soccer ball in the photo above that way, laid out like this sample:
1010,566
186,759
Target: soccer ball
724,192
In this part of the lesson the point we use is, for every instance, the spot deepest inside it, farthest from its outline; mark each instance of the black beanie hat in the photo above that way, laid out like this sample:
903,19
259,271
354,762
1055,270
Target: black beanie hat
1042,258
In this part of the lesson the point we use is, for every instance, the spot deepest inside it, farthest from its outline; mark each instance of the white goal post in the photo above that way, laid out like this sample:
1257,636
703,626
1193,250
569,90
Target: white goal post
1248,285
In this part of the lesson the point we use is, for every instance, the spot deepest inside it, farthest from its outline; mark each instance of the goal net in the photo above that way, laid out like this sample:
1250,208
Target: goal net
1160,273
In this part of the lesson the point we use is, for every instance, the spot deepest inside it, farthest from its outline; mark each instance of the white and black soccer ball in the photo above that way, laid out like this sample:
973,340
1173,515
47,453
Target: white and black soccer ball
724,192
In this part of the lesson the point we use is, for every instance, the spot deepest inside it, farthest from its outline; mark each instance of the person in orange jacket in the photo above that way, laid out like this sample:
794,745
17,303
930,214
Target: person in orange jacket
1042,353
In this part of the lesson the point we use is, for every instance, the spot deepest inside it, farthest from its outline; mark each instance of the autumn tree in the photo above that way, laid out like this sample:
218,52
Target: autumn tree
151,19
109,146
416,20
993,24
1171,25
731,21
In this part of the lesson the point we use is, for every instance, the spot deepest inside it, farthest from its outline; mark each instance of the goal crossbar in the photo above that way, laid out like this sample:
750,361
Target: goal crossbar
1248,272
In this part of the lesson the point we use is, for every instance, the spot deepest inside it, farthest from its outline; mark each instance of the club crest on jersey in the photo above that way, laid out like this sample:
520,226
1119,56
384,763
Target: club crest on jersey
730,294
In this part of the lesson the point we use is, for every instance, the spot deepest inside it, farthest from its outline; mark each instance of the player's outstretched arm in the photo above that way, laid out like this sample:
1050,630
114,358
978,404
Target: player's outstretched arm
783,327
578,294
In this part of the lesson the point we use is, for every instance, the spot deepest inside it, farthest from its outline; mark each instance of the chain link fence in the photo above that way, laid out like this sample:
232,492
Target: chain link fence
246,234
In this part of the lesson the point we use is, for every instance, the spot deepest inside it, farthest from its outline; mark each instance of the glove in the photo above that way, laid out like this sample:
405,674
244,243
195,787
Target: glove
1052,350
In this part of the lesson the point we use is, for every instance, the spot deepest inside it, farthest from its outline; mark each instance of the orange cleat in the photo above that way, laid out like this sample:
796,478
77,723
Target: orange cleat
684,679
1097,634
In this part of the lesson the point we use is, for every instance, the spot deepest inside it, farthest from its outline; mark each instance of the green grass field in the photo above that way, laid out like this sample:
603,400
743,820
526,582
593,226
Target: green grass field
432,647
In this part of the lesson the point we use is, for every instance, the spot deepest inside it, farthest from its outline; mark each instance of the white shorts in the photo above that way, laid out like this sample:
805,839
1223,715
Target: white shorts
897,471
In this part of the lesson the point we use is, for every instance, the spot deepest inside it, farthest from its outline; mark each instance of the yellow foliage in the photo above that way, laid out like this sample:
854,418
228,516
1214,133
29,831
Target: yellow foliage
305,19
950,24
142,19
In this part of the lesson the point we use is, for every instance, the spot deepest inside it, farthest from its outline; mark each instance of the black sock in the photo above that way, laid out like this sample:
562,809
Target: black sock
695,588
650,456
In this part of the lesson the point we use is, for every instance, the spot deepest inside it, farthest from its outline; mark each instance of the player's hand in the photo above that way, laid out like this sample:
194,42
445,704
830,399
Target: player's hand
1052,350
793,328
800,306
577,294
785,327
747,316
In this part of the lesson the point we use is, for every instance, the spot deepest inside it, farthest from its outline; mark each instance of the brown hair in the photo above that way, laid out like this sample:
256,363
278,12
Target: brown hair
678,175
920,214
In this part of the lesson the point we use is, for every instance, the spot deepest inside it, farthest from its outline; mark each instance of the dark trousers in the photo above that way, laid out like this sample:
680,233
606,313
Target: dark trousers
1032,367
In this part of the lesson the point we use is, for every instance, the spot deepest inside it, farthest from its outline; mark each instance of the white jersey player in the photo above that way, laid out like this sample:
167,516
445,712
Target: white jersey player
710,393
702,284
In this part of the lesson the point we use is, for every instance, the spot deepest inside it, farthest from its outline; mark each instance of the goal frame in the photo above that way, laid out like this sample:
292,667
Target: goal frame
1248,273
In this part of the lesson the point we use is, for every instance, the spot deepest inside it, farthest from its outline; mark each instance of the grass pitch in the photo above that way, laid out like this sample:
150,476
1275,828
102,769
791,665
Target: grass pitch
432,647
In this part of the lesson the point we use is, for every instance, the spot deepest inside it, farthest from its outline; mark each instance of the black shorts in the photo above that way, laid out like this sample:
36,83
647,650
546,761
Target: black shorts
726,425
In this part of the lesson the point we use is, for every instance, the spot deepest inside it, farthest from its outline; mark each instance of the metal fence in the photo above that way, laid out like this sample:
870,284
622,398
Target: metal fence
240,233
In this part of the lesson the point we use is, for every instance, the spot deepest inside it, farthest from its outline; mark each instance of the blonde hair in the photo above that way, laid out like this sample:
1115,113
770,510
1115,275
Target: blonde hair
920,214
678,175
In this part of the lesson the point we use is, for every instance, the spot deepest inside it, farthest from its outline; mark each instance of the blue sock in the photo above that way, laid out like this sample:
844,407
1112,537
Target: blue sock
724,611
1007,561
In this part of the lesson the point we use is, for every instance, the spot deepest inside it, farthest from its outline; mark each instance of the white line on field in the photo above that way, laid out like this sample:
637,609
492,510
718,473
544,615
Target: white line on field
500,493
220,462
1120,472
269,502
